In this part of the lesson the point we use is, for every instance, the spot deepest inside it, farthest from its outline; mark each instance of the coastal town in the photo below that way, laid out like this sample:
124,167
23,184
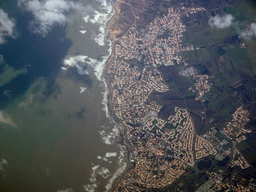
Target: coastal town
162,149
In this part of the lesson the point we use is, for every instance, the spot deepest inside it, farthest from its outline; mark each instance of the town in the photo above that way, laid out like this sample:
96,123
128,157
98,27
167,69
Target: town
162,148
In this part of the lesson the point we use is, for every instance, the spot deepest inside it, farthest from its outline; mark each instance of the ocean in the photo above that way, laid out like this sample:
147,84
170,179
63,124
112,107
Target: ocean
55,130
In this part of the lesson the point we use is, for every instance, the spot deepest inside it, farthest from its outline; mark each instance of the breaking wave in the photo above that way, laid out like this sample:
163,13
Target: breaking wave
99,17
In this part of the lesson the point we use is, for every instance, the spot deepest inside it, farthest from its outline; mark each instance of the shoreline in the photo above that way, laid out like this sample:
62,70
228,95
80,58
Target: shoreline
120,124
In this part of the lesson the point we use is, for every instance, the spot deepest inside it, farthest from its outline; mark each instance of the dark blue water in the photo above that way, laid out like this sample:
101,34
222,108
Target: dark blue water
42,56
51,148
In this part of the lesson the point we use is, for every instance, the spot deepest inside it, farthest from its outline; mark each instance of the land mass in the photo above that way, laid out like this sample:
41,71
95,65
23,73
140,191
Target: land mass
183,101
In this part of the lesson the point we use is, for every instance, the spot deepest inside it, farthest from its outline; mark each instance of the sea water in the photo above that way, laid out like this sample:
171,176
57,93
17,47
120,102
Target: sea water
59,136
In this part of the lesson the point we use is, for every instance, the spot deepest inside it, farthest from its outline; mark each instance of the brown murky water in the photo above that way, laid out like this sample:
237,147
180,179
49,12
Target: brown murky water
53,141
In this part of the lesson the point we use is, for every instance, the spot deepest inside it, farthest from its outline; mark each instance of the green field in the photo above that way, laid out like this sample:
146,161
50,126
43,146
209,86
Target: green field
240,60
247,151
251,52
246,10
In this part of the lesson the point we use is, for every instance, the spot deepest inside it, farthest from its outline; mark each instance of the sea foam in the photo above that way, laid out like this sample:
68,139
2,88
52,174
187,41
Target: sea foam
102,17
111,154
121,168
99,18
105,173
110,137
119,171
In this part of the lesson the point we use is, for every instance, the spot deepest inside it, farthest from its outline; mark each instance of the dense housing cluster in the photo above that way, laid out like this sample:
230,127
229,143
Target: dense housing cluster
162,149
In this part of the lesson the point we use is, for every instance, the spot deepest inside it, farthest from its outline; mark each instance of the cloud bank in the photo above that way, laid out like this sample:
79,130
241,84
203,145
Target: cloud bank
189,72
250,32
48,13
75,62
6,26
221,22
228,20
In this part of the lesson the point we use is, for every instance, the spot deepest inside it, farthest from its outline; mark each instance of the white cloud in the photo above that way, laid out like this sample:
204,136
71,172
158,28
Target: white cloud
249,32
76,62
6,26
228,20
48,12
221,22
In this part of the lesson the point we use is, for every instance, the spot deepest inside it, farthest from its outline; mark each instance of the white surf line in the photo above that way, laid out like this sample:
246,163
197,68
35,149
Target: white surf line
119,171
110,137
102,19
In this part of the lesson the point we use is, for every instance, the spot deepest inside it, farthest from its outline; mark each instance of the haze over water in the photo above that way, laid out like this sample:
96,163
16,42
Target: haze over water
58,136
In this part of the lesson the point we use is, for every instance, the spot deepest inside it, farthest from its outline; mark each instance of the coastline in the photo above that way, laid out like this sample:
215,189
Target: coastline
120,124
102,17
